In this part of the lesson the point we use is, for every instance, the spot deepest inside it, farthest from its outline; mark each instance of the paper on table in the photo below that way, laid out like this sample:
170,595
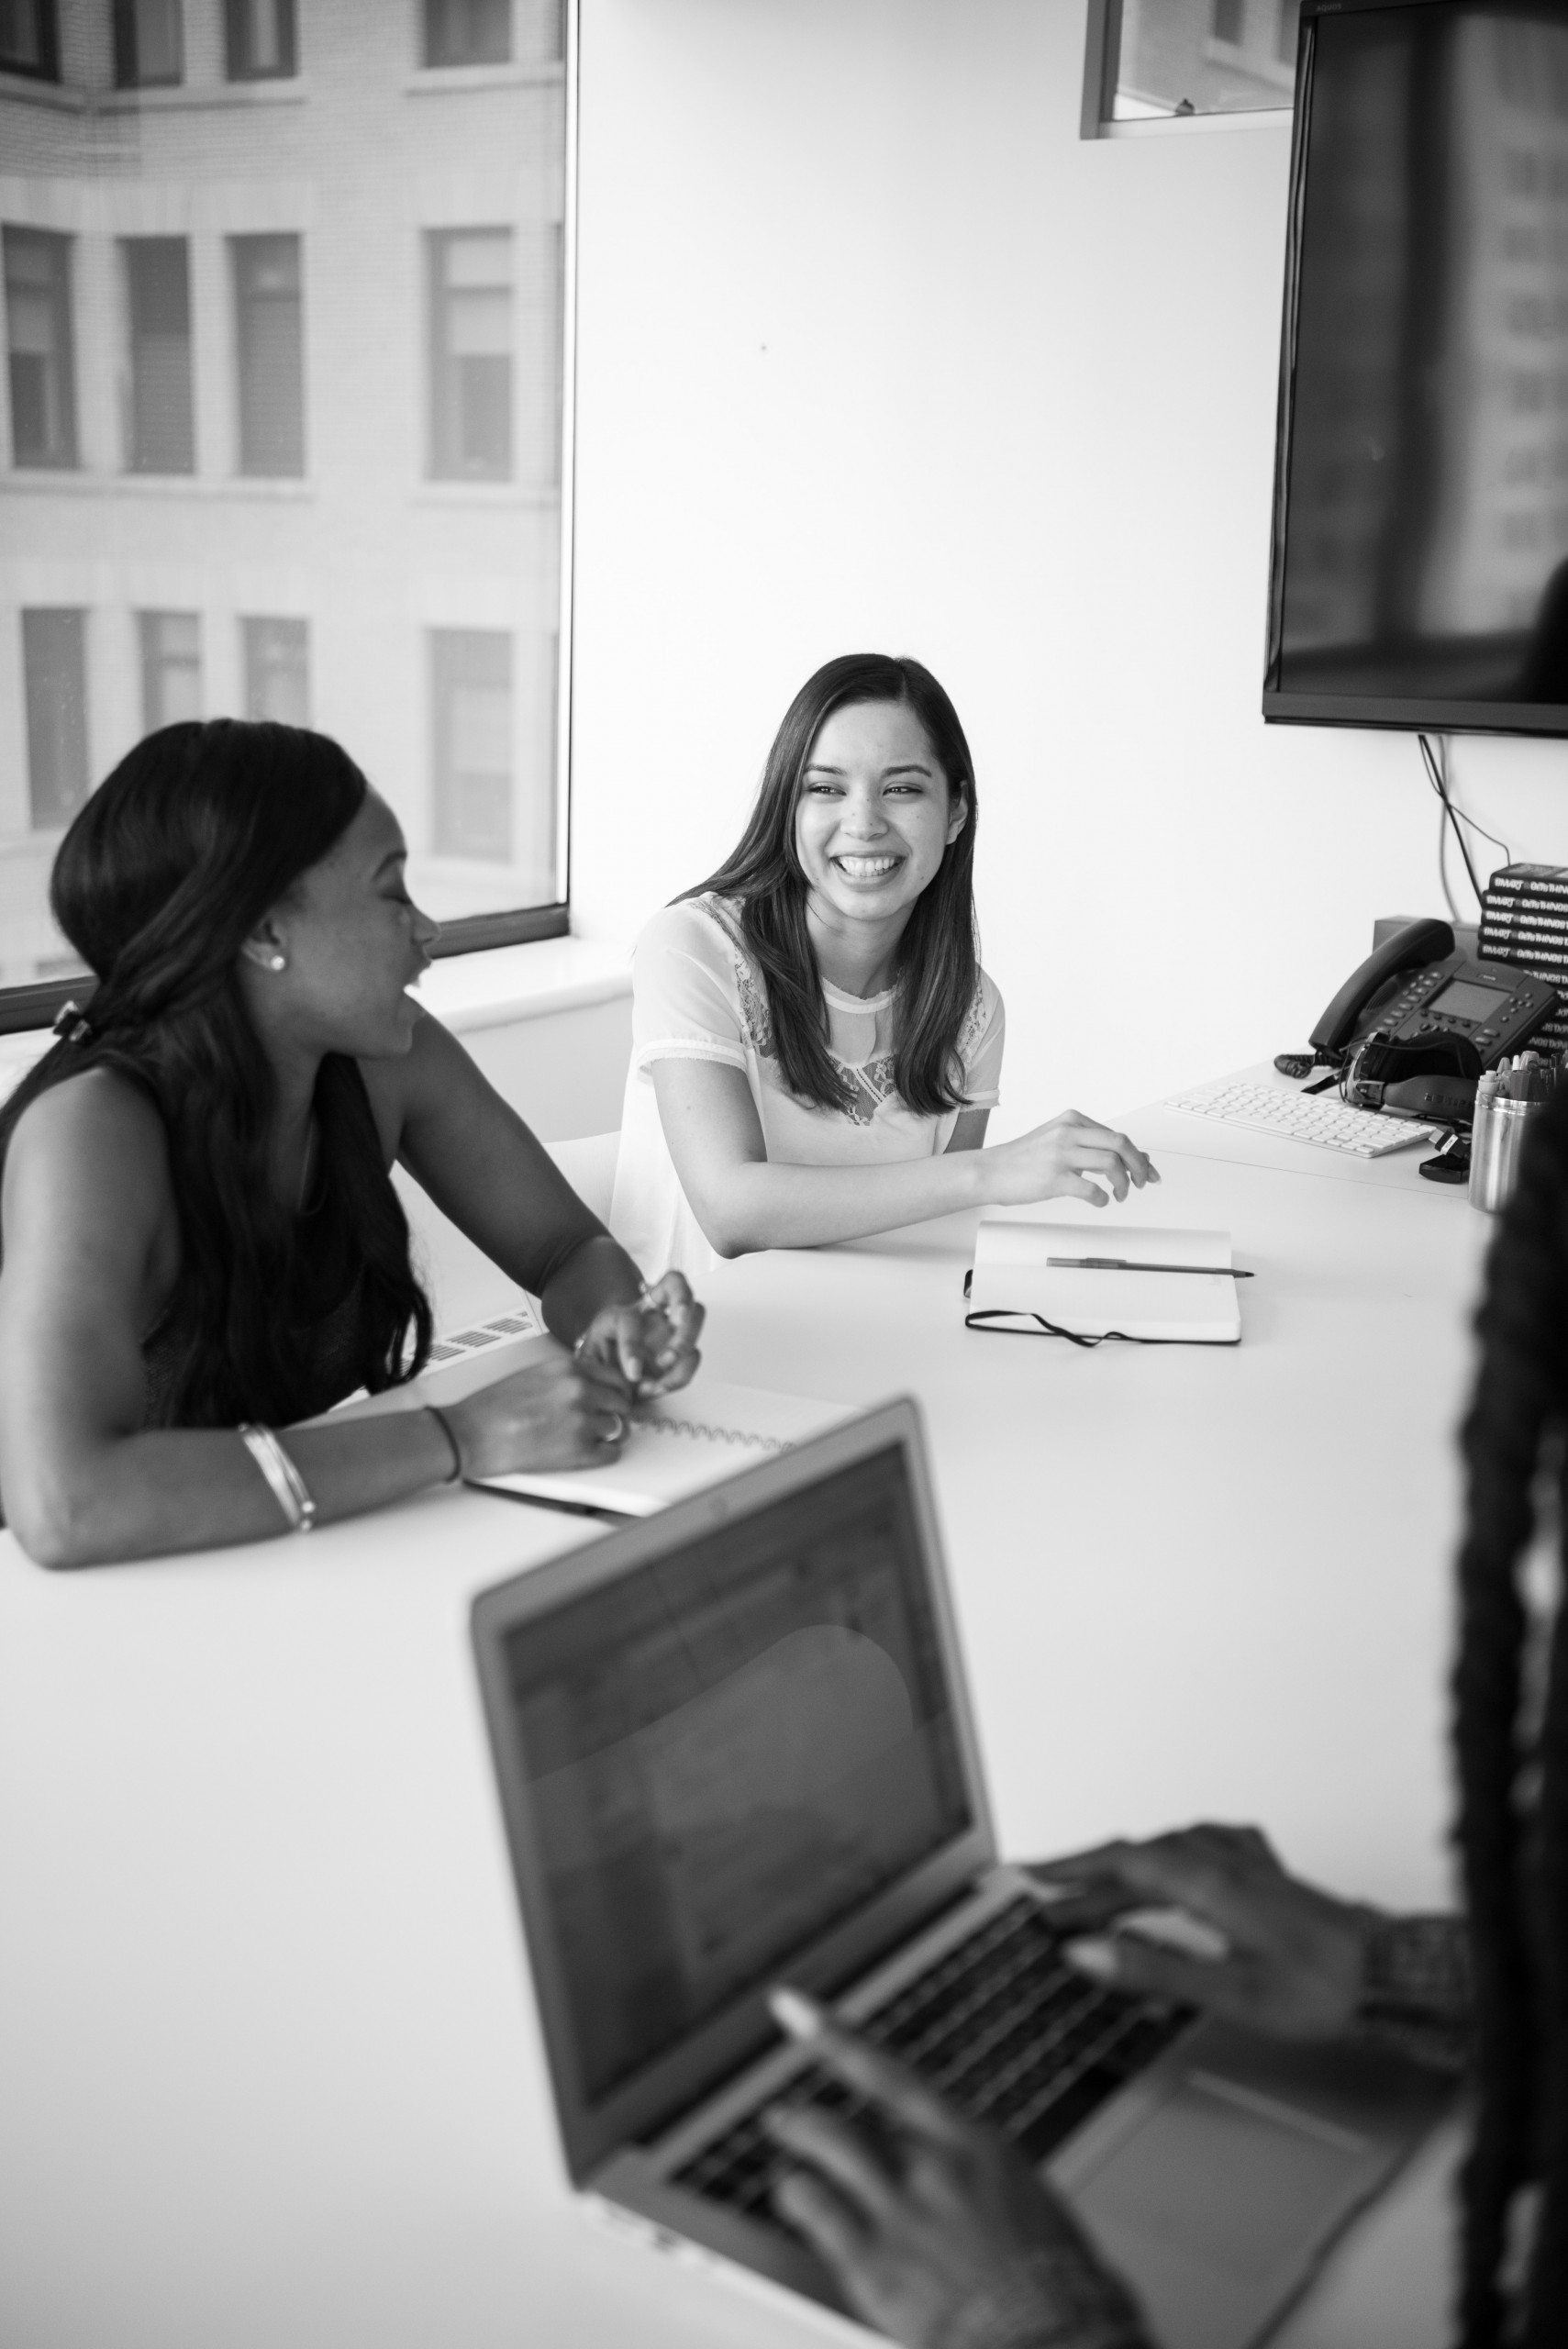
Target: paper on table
680,1442
460,1361
1014,1282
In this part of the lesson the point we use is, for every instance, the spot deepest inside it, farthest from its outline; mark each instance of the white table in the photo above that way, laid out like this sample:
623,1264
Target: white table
269,2072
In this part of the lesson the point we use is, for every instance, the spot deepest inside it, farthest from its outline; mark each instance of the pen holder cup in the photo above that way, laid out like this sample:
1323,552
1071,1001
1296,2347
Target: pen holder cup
1497,1145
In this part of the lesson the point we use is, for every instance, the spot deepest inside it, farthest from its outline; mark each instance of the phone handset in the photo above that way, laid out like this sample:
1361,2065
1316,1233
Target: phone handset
1415,942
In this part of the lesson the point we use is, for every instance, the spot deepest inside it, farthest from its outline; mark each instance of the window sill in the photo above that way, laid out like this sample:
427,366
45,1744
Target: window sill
469,991
284,89
1184,126
448,81
485,493
31,90
503,984
75,481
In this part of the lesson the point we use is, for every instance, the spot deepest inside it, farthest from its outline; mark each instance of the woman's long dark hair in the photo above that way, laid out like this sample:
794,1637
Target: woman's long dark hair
938,967
163,874
1512,1753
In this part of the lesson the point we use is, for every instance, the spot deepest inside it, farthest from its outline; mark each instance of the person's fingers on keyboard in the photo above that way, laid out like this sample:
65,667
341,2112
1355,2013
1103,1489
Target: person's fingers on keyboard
839,2152
880,2078
822,2216
1221,1987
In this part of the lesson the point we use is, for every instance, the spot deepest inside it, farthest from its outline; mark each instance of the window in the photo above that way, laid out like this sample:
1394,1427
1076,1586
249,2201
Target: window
29,39
38,328
161,425
470,695
1149,57
470,354
54,666
148,43
212,501
259,39
468,32
171,668
269,354
277,669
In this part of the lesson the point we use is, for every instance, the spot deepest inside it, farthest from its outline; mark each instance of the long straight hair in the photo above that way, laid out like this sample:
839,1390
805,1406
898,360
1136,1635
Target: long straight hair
938,967
162,874
1512,1753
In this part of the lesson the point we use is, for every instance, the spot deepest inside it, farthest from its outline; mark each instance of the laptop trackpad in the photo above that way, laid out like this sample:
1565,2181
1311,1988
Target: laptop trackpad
1231,2179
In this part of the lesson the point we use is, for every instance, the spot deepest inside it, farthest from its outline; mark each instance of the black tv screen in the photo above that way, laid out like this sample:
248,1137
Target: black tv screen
1419,567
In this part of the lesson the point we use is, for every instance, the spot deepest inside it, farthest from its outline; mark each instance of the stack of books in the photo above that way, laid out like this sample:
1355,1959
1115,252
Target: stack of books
1524,921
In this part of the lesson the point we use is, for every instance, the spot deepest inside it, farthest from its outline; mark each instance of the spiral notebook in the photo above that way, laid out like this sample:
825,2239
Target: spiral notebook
678,1443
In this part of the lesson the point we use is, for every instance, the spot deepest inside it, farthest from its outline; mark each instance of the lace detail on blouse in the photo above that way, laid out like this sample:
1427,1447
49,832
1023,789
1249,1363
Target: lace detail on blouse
870,1083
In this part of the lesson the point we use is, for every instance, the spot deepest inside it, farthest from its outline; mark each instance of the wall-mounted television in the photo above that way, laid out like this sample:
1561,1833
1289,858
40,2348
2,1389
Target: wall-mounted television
1419,575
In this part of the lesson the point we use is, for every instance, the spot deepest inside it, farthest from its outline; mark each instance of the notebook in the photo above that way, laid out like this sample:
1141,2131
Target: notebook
1072,1279
733,1745
678,1443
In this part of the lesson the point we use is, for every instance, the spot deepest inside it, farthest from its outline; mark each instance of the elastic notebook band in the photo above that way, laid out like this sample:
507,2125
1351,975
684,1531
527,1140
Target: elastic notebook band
288,1487
445,1425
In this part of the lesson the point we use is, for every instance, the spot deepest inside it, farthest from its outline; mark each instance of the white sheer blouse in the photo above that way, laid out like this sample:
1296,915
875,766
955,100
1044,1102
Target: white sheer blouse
697,995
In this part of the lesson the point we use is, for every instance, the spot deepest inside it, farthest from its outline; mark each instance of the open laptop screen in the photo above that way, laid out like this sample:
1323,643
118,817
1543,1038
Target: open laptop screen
728,1750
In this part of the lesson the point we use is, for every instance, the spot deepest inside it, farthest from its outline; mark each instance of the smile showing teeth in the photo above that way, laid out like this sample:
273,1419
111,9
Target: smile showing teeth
867,868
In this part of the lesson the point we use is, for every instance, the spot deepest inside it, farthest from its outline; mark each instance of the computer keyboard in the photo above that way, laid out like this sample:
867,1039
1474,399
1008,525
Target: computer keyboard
1319,1118
999,2024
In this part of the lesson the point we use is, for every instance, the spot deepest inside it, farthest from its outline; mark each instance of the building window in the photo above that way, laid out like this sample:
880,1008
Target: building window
468,32
258,40
471,696
37,329
470,354
277,669
270,353
29,39
171,668
1149,57
54,666
148,43
162,435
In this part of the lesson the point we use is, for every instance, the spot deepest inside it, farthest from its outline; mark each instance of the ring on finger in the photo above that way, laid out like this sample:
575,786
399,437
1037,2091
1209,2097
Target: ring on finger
616,1430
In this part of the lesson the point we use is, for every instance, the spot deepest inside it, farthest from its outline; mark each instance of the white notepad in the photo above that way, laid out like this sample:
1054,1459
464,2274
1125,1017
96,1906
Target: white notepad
1019,1281
680,1442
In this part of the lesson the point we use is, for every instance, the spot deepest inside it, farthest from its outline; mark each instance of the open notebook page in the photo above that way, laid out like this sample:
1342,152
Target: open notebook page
1024,1270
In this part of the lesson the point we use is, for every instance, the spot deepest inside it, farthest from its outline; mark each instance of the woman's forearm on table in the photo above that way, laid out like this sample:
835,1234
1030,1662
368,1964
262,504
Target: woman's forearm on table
768,1204
147,1495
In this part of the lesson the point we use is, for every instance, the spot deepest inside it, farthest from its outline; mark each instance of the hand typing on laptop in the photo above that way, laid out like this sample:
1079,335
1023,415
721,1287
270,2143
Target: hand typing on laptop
942,2234
939,2231
1289,1960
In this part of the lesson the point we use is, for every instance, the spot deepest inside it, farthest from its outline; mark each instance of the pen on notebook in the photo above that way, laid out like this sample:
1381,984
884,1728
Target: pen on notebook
1131,1265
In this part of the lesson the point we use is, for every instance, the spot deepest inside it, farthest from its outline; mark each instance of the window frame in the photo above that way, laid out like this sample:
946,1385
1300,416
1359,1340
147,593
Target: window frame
1102,66
62,298
244,303
128,65
139,429
430,10
47,68
234,43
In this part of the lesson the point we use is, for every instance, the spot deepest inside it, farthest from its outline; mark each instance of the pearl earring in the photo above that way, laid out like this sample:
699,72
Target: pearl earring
276,962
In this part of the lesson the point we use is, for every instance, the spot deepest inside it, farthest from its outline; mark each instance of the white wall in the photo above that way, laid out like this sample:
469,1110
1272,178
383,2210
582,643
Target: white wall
875,351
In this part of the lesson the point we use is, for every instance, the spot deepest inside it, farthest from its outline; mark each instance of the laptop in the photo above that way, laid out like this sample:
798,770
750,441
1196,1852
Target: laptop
734,1746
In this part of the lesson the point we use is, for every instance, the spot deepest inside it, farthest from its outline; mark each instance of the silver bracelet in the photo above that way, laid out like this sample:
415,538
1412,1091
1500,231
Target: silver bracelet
289,1488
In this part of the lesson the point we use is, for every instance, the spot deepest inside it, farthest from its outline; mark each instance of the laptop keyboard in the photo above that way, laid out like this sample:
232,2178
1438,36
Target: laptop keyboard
999,2024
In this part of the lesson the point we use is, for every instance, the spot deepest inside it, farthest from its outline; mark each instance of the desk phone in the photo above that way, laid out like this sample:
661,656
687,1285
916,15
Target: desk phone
1416,988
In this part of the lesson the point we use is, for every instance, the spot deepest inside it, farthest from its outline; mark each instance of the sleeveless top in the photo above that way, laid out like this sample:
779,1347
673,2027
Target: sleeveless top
330,1369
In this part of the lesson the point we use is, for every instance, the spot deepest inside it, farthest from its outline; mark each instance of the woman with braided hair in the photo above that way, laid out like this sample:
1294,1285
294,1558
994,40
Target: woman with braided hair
200,1234
943,2236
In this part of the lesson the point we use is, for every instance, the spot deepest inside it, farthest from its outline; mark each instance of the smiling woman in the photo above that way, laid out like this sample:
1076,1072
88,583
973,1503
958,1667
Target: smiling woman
816,1049
199,1229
